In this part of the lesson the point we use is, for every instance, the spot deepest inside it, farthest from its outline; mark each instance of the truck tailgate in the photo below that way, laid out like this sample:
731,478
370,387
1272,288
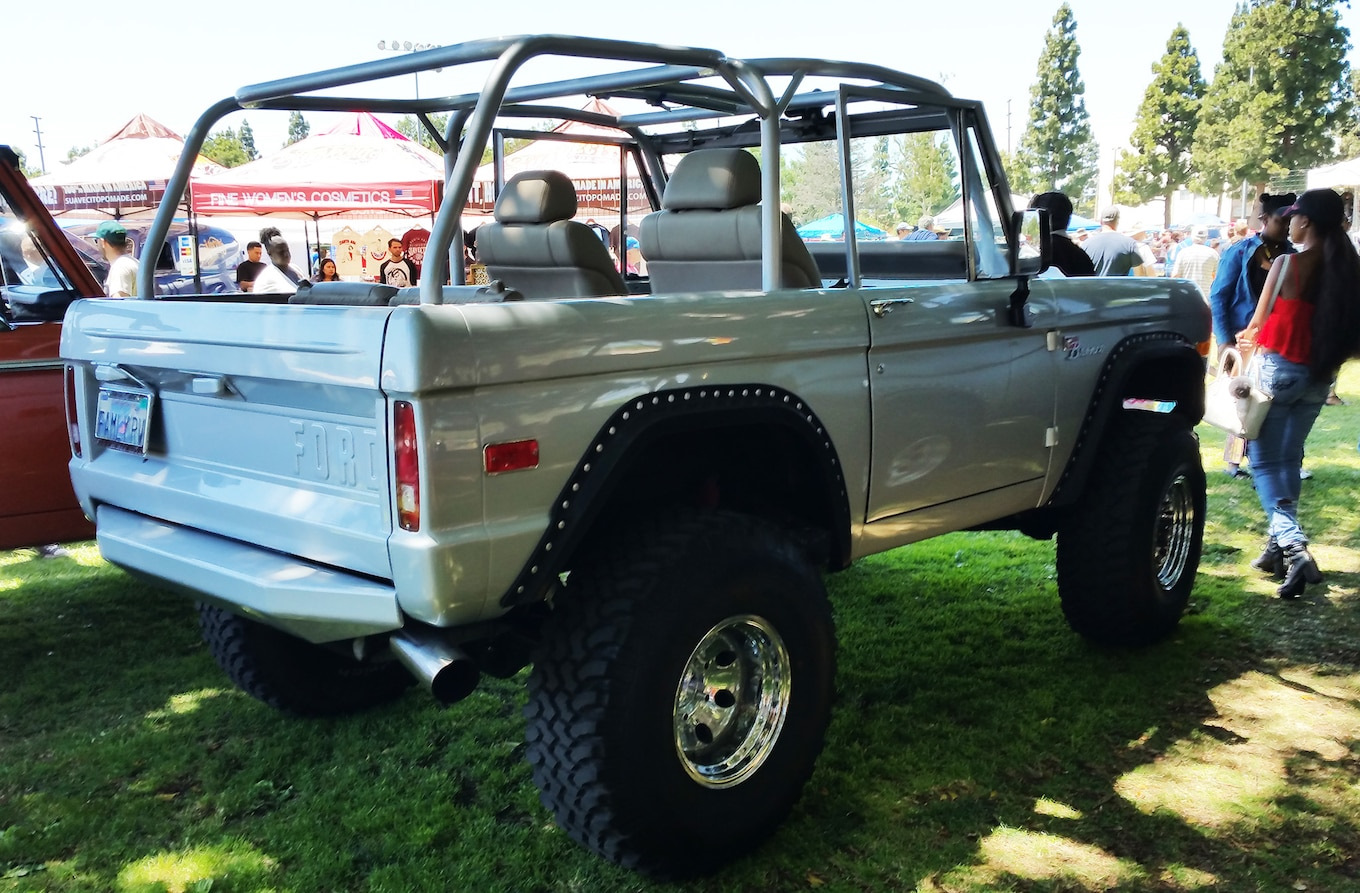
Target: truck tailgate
280,445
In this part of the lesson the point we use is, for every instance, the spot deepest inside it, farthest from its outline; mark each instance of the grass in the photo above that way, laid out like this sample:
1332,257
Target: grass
977,744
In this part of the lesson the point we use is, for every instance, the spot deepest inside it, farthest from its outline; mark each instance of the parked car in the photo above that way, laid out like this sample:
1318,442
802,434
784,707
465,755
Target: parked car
218,255
41,273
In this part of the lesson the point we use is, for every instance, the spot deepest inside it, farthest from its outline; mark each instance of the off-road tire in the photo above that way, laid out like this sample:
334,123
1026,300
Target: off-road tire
294,675
1128,554
608,716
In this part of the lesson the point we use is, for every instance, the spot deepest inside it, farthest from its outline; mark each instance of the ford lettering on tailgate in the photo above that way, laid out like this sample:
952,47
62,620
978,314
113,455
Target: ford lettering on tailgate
337,454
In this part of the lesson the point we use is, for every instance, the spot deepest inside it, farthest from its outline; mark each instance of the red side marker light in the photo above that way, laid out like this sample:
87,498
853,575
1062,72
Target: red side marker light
514,456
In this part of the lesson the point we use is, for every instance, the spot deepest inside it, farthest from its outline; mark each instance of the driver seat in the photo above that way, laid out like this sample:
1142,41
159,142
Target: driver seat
706,237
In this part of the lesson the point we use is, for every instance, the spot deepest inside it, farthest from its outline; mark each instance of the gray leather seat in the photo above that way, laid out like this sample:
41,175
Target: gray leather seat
707,235
536,248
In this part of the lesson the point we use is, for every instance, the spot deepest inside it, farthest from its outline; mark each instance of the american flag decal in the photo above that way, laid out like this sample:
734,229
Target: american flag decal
405,193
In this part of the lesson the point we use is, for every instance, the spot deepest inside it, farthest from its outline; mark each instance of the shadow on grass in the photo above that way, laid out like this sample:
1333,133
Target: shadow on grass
977,745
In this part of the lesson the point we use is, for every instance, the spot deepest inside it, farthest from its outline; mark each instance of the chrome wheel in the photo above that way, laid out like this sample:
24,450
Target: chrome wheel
1175,533
732,700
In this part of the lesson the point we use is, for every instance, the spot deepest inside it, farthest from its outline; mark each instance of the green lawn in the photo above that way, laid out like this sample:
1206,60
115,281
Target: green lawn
977,744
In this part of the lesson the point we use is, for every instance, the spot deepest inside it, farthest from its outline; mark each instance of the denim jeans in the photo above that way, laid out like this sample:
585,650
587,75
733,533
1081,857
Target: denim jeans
1277,454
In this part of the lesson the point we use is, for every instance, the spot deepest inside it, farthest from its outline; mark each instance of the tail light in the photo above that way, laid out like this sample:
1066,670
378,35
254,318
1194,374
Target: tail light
72,419
408,465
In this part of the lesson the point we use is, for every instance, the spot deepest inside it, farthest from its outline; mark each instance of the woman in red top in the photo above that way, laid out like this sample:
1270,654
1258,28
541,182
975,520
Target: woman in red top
1302,337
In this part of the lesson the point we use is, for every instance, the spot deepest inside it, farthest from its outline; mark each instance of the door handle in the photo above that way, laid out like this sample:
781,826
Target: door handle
884,307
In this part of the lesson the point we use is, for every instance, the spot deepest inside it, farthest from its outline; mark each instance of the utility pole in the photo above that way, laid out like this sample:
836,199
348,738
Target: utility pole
1008,128
37,129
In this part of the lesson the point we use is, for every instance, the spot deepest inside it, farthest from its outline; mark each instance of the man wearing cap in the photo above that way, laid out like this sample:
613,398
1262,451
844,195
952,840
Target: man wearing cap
113,242
1197,261
924,232
1244,266
903,229
1112,252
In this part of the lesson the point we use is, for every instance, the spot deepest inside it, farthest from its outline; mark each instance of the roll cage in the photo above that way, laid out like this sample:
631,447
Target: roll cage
702,99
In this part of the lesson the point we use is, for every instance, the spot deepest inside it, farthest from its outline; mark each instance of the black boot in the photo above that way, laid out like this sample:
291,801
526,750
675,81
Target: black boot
1300,569
1271,561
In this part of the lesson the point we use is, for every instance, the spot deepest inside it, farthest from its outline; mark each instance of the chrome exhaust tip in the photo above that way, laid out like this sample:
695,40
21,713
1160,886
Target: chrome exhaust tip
445,669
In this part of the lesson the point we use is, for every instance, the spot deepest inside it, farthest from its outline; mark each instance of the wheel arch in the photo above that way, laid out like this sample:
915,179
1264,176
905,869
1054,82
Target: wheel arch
1160,366
750,448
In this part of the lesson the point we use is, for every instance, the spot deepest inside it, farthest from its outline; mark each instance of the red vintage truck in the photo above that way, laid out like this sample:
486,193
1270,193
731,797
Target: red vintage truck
41,273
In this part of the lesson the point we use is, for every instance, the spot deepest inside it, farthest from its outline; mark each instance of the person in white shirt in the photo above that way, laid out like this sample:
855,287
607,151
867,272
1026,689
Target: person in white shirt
112,239
1197,262
278,277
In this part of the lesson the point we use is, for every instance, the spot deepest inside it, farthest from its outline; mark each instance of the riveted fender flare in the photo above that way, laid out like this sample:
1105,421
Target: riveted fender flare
645,417
1179,373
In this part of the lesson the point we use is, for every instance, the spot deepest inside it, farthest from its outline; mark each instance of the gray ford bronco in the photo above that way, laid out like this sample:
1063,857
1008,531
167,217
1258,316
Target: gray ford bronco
629,470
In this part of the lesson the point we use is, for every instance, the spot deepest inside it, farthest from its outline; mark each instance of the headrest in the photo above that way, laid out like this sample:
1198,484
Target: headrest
713,179
536,197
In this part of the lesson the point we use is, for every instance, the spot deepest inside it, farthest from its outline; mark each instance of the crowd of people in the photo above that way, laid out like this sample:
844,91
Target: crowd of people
1285,292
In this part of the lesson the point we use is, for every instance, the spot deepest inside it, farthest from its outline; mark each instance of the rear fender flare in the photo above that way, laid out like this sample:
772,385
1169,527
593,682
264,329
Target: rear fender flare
647,416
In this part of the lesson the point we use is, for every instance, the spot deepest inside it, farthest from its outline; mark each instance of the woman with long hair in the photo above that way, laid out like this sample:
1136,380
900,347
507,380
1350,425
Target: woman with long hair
1306,325
327,272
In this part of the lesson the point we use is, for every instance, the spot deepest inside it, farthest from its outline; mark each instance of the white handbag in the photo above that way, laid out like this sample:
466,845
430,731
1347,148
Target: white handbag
1233,401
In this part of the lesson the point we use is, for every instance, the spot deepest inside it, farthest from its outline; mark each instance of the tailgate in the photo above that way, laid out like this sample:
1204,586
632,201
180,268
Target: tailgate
265,422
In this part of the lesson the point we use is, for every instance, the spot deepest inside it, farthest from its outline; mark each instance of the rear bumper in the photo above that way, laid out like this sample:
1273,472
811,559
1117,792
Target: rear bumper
312,601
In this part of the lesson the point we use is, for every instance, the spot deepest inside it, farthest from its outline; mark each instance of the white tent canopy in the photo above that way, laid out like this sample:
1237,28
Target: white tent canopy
124,174
1333,176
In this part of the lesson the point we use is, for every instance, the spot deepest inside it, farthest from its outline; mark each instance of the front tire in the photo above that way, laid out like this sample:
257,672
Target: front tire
1128,554
294,675
681,693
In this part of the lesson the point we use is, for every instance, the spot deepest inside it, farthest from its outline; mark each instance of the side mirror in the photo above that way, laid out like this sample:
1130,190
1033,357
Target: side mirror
1030,255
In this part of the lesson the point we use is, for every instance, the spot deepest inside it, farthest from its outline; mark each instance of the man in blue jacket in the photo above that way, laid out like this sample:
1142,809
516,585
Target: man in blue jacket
1237,287
1243,268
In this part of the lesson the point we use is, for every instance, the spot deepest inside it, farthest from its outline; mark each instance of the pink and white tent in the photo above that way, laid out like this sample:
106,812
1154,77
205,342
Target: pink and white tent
360,164
124,174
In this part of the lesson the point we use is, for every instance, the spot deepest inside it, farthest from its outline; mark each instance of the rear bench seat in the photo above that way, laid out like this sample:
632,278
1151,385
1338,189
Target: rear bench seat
373,294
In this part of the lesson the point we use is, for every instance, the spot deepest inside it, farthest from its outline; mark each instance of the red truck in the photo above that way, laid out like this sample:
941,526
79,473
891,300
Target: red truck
41,273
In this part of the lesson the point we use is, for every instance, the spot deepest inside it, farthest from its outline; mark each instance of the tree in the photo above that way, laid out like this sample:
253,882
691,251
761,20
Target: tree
1348,140
1057,150
1164,132
298,128
810,178
225,148
28,172
410,126
927,177
76,151
247,138
1279,97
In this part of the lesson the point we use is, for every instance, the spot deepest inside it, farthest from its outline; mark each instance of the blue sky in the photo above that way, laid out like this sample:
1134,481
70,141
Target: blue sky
85,68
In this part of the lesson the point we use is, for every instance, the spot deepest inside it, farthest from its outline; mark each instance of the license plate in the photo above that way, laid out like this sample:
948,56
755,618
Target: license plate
123,419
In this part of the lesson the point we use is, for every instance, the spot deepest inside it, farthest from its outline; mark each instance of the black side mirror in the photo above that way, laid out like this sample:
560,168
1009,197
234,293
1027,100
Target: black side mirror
1032,248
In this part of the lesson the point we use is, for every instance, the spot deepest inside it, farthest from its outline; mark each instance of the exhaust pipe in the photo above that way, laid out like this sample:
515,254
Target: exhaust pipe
444,668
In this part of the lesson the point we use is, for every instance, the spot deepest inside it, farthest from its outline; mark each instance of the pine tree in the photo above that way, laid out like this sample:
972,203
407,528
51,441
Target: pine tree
927,176
811,181
247,138
1057,150
1348,139
1165,129
298,128
1280,95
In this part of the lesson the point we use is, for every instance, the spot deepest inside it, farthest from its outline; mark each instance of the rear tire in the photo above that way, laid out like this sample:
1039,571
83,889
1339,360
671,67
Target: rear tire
1128,554
294,675
681,693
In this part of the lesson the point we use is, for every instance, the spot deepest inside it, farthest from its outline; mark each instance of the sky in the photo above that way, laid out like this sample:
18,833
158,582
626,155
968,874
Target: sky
85,68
